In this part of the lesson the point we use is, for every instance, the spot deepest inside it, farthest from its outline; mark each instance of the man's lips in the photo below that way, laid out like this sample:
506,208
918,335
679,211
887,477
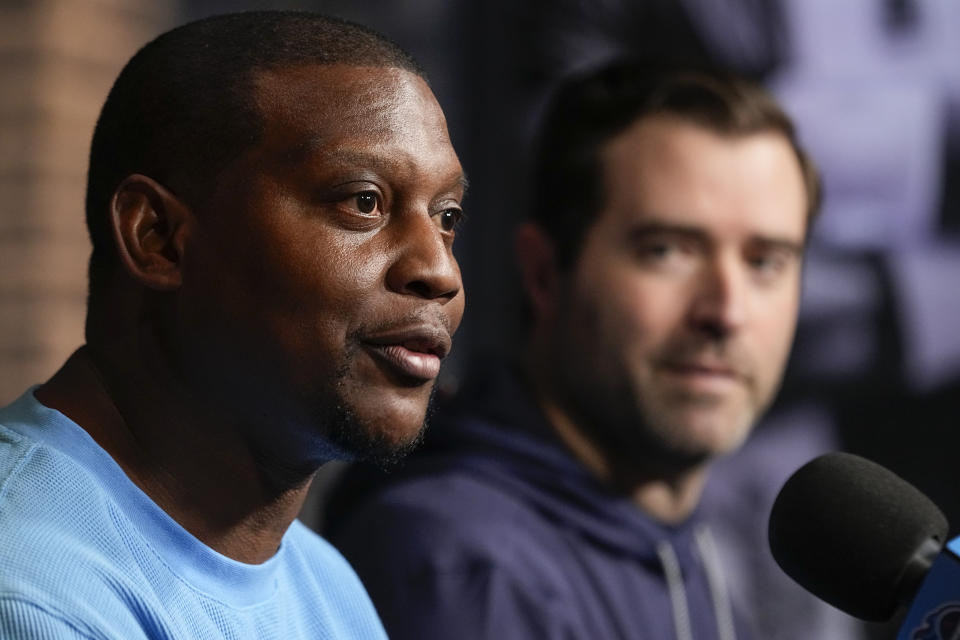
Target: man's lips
707,374
413,352
705,369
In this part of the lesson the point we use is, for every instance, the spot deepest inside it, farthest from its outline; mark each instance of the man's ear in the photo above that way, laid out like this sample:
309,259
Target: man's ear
536,258
149,226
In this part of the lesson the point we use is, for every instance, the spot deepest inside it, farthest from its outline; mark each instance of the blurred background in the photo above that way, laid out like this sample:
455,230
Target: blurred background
874,86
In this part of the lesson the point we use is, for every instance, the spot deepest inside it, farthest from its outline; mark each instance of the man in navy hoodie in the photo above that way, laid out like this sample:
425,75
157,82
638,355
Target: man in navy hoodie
662,265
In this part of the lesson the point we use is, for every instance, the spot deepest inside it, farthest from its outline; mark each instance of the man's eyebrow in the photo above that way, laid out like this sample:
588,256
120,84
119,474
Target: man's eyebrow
655,228
780,244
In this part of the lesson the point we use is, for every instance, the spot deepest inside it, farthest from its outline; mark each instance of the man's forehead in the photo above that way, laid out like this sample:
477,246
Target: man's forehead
341,117
670,171
660,145
323,100
329,84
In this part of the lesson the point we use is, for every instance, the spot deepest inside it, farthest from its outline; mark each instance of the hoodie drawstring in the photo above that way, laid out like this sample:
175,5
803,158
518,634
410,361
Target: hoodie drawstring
723,613
715,581
678,594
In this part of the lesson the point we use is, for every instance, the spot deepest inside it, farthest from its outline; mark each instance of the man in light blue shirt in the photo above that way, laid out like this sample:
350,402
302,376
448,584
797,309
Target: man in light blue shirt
272,200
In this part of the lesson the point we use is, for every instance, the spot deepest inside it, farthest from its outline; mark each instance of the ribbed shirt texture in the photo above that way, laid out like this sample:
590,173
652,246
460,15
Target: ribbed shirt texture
84,553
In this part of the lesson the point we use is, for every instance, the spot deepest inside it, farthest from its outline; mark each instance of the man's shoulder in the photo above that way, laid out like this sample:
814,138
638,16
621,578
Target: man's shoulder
55,524
46,496
15,451
73,556
466,492
447,497
449,521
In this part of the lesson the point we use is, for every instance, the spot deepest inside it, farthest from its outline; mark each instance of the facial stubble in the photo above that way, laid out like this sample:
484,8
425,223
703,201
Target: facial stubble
356,438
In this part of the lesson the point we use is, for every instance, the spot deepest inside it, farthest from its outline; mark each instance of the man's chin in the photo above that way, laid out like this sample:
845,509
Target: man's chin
383,452
380,440
373,422
725,433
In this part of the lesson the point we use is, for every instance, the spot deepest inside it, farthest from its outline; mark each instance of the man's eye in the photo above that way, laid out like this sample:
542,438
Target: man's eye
764,263
659,250
769,264
366,202
662,251
450,219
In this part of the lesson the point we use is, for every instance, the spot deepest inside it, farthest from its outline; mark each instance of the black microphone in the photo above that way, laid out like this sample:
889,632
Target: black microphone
866,541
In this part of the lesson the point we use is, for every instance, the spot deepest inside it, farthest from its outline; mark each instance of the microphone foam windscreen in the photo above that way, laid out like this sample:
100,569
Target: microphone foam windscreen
846,529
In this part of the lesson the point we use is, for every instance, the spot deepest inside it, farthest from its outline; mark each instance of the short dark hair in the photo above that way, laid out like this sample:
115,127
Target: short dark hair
182,107
588,111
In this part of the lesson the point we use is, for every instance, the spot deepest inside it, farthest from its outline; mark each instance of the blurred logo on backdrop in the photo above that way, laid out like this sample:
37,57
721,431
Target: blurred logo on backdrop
943,623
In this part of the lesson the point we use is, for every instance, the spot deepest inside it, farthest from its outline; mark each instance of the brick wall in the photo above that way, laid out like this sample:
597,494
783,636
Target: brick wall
58,59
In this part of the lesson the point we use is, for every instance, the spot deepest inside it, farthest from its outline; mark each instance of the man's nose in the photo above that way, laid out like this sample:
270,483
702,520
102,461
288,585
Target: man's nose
424,265
719,304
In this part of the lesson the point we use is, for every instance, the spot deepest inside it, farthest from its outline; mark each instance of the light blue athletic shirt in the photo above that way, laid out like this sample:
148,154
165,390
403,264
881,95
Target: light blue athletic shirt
84,553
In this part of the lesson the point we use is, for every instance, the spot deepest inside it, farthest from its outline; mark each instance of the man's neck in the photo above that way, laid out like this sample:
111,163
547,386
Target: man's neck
200,471
666,498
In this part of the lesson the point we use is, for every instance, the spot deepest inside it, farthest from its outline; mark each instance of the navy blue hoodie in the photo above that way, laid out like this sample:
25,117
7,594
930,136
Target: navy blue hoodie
495,530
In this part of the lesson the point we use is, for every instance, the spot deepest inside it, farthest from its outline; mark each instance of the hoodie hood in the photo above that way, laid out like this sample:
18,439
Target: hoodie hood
500,434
